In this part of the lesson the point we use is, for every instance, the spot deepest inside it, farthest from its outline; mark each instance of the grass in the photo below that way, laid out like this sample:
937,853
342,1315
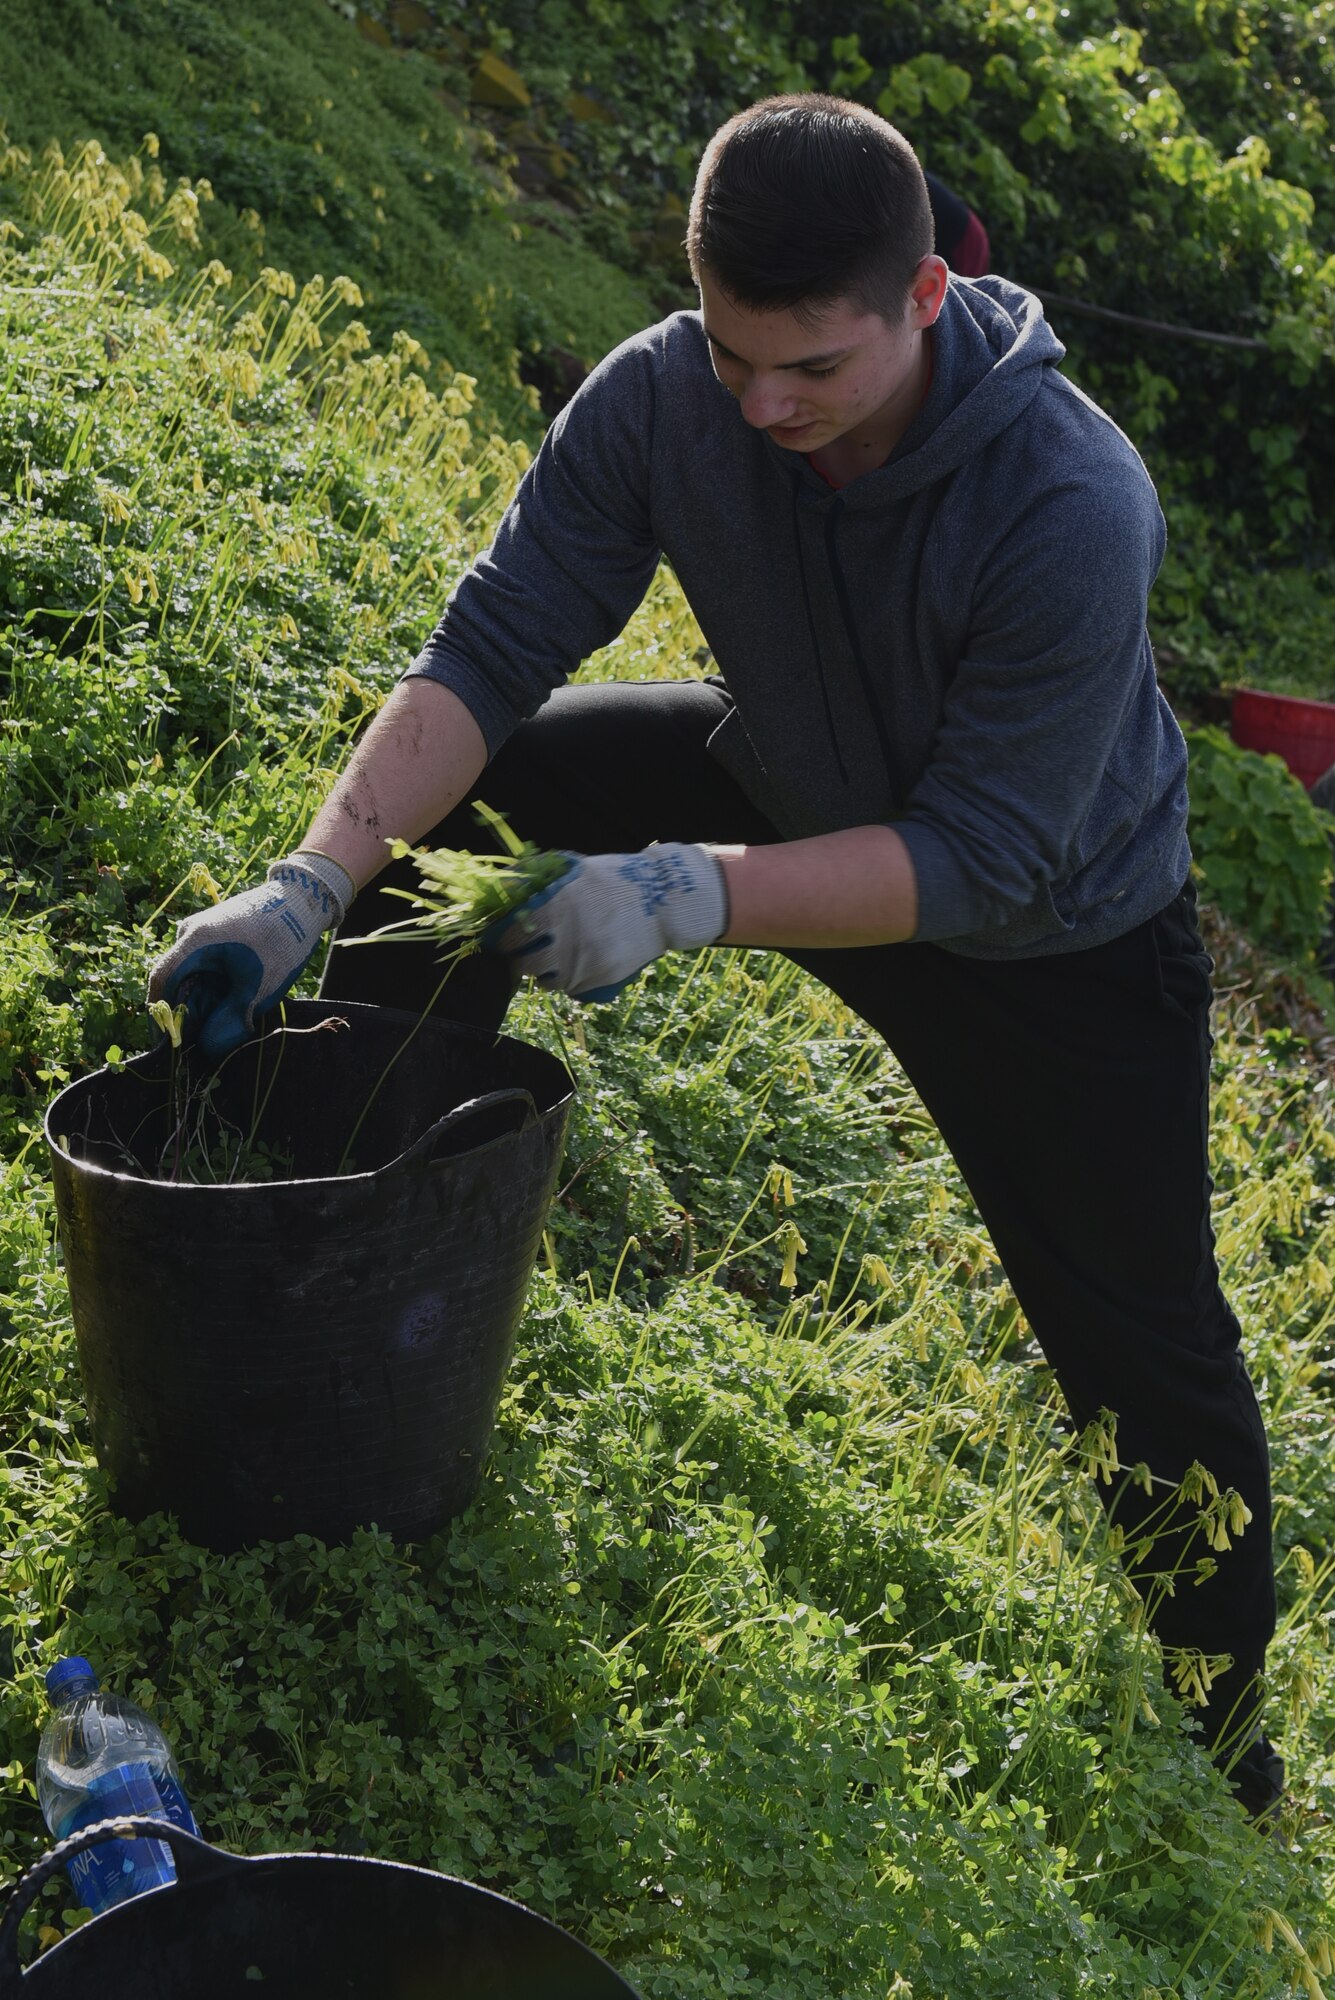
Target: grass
784,1651
459,895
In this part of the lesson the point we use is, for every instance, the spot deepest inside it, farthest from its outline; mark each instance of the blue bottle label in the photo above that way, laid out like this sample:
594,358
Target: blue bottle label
117,1869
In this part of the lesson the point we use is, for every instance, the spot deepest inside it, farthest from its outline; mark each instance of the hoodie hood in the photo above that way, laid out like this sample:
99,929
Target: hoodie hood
991,349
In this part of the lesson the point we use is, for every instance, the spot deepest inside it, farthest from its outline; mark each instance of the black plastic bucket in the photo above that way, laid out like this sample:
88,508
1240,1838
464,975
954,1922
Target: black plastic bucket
300,1927
323,1351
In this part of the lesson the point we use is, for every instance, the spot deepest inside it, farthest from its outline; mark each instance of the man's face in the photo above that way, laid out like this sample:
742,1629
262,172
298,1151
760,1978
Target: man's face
810,381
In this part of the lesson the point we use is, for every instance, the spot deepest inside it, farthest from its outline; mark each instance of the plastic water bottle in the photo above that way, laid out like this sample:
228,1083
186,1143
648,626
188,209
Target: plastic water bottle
101,1757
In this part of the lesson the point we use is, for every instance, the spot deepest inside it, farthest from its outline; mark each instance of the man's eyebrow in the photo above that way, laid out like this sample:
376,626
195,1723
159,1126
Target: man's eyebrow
807,361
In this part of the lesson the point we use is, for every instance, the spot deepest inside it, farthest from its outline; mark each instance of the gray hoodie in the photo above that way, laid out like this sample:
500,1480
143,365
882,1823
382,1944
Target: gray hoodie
954,643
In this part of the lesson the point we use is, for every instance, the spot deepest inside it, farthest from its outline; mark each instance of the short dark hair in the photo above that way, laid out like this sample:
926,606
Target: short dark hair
805,199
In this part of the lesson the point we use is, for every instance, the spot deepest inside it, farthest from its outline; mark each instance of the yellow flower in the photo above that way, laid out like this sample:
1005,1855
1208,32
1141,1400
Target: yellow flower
1194,1674
151,145
154,263
170,1019
303,330
1197,1483
183,213
113,504
240,371
793,1247
1098,1447
249,330
201,882
354,339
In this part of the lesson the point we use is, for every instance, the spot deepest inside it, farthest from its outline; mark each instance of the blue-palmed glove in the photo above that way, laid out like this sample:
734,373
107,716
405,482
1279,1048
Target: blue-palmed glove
610,915
235,961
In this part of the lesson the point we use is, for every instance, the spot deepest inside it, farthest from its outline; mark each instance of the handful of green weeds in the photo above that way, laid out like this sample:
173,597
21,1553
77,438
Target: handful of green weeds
460,894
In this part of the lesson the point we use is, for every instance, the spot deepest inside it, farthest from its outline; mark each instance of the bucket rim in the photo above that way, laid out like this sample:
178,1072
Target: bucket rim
325,1010
1271,698
201,1866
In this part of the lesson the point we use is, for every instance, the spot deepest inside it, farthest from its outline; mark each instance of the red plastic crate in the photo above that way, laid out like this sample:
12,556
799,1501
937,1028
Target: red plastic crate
1302,732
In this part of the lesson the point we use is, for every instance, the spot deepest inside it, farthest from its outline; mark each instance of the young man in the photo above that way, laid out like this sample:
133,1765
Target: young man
934,768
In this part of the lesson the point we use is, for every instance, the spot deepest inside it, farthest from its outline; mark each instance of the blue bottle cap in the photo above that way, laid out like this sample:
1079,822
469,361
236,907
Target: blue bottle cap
64,1672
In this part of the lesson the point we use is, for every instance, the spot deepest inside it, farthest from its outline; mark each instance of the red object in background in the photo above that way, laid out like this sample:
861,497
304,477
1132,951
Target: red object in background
1302,732
972,255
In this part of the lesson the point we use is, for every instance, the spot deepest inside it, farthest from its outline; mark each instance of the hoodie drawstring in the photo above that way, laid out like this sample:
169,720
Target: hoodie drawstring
811,629
851,632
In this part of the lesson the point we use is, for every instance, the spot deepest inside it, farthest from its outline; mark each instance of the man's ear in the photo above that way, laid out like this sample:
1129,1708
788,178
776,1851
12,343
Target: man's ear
927,293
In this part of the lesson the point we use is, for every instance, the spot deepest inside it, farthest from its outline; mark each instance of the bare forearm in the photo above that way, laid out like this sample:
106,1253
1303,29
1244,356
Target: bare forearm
417,760
852,888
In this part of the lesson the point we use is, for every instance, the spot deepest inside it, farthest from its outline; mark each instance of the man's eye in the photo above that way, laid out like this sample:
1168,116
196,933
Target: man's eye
819,374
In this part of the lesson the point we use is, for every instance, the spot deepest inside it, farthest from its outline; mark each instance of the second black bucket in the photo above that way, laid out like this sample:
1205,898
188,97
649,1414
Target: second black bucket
299,1927
324,1350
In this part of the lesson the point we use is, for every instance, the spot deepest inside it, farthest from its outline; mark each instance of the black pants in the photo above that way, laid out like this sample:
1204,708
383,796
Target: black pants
1071,1090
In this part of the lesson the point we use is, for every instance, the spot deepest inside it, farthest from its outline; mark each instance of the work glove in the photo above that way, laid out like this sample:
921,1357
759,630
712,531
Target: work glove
610,915
235,961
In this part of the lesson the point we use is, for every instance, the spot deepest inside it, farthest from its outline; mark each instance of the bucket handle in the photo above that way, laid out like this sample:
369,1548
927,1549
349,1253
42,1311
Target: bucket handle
515,1106
196,1861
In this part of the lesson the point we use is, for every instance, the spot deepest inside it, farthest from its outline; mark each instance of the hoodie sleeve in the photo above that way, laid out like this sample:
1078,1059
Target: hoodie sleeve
1057,655
572,558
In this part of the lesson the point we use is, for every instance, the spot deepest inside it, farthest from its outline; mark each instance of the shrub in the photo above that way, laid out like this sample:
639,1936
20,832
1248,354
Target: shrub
1260,844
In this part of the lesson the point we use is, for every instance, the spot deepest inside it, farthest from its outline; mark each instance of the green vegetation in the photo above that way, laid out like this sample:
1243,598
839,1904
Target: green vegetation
785,1650
1169,162
1261,846
324,153
459,895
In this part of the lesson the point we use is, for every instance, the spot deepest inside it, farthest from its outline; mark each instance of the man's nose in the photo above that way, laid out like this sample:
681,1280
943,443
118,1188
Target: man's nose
766,402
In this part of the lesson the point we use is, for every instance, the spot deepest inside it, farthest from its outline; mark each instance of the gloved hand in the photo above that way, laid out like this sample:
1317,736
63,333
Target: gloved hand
610,915
235,961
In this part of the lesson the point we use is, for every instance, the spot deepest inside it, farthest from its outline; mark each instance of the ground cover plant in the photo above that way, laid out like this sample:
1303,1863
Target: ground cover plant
1260,844
785,1649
